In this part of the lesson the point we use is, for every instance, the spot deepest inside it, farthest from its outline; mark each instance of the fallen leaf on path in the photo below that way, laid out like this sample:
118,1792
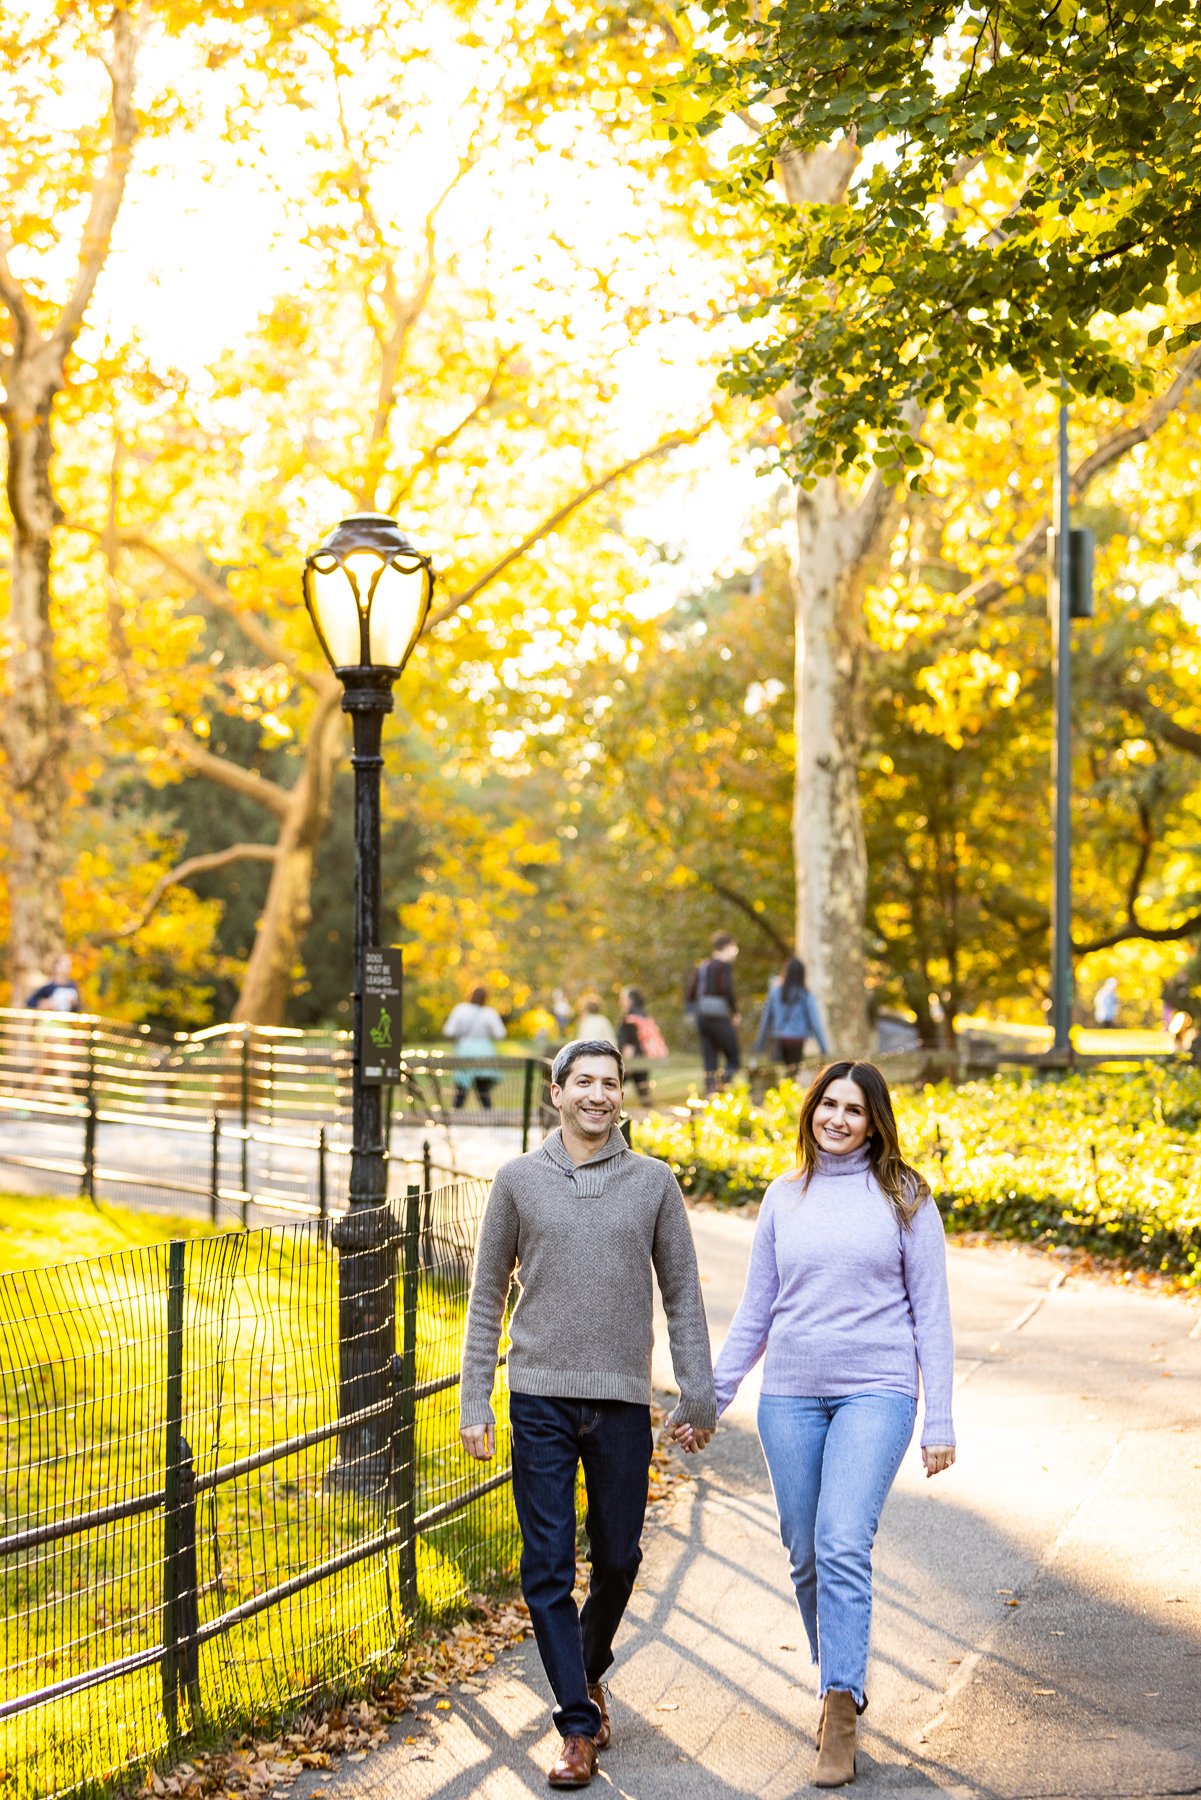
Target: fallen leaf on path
667,1706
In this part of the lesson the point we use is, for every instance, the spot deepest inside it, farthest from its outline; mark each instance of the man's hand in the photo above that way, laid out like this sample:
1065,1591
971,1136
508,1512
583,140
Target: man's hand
690,1438
936,1458
478,1441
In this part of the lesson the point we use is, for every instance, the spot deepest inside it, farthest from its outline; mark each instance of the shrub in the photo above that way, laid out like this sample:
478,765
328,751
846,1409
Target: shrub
1105,1162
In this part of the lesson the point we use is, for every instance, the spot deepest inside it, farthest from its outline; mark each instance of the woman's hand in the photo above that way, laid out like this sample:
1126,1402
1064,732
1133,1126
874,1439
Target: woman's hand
937,1457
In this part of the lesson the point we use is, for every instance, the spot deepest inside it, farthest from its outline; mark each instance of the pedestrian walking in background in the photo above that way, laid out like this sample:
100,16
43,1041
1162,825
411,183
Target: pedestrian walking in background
474,1028
845,1300
790,1016
594,1225
711,1001
60,993
561,1010
640,1042
592,1022
1105,1004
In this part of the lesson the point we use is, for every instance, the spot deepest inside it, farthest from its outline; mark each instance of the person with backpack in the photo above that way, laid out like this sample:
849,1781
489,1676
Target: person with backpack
712,1004
790,1016
640,1041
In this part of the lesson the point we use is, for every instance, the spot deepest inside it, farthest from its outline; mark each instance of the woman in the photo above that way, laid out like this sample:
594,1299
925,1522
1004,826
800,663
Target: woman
639,1037
790,1016
846,1298
591,1022
473,1027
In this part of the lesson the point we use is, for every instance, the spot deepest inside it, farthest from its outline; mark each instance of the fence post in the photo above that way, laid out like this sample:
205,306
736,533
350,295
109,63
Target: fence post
180,1616
322,1195
215,1170
527,1105
404,1441
245,1108
88,1177
427,1188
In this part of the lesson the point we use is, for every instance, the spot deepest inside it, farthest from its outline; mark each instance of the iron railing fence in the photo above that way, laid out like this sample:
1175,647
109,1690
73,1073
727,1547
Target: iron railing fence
257,1075
197,1167
251,1128
206,1518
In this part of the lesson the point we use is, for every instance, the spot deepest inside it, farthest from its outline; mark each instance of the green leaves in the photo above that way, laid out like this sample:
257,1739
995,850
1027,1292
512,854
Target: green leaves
1025,179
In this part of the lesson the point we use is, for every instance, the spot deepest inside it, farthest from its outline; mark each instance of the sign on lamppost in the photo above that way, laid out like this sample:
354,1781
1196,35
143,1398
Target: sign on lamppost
382,1003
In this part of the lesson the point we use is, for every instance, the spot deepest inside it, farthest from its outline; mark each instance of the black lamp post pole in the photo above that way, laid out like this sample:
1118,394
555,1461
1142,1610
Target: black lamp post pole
363,1237
1061,640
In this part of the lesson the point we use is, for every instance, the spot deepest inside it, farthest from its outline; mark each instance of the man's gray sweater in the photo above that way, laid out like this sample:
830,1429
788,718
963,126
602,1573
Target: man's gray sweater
584,1238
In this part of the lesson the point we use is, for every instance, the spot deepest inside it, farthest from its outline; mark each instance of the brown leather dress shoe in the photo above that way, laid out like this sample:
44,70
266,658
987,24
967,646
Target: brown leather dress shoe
575,1765
596,1694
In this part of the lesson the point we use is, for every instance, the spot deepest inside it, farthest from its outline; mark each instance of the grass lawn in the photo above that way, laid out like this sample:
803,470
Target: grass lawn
39,1230
83,1382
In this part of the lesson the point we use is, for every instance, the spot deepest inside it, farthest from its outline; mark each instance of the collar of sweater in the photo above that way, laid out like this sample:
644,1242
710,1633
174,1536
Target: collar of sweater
854,1162
588,1177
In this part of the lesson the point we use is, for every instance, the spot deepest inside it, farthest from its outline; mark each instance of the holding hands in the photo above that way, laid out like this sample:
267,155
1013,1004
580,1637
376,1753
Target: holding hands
936,1458
690,1438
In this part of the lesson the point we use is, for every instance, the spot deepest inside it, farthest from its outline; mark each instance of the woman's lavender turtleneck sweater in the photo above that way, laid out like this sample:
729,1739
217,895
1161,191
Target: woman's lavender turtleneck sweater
841,1299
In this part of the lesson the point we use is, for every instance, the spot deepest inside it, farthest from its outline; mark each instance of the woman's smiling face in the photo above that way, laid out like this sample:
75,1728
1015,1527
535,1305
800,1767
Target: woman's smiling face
841,1121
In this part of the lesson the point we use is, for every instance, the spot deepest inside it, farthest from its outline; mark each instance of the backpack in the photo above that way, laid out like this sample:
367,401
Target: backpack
651,1041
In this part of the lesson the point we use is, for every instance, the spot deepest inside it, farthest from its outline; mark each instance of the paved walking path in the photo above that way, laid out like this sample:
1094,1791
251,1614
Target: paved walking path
1038,1618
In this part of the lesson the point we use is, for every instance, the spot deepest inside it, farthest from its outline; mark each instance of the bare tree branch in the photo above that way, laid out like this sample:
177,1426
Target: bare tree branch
107,193
403,314
986,590
195,865
233,776
1161,723
220,598
441,444
14,297
1151,934
674,441
769,931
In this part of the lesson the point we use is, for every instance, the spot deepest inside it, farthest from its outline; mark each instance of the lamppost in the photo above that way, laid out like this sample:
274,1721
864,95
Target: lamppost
368,594
1071,593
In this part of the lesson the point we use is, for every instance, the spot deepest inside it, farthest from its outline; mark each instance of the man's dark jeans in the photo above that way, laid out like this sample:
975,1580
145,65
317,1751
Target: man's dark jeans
551,1437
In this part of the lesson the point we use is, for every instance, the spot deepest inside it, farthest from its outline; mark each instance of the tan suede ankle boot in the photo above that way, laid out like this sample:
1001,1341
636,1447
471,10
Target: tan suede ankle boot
835,1764
821,1724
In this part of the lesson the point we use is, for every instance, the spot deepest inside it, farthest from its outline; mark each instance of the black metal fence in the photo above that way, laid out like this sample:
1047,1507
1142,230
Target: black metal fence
236,1123
204,1520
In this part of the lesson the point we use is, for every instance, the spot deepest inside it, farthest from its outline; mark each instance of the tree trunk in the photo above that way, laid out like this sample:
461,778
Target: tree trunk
267,983
839,533
827,825
31,720
31,716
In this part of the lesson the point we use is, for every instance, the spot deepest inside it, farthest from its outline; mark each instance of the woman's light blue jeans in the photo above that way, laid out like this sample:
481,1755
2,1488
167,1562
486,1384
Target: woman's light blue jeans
832,1463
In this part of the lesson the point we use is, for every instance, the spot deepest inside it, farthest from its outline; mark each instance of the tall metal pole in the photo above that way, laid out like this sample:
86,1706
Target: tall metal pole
364,1237
1061,647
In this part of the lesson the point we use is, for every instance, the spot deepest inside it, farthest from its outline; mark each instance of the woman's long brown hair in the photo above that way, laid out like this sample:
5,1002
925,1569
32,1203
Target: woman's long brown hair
904,1188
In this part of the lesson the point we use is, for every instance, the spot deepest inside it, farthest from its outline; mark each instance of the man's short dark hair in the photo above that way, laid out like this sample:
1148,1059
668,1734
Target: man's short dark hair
721,940
571,1053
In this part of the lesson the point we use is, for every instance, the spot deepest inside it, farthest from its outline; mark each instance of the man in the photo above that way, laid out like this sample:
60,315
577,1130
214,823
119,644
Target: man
60,993
588,1221
710,998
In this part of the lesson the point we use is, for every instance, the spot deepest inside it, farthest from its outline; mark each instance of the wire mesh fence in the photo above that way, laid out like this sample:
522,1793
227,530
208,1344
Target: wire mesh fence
231,1479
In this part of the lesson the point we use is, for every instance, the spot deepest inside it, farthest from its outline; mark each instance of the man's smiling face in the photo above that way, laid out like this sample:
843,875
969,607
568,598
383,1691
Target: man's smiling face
589,1101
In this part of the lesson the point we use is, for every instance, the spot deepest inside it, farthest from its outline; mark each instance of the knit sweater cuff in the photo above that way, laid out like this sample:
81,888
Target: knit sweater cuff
938,1432
690,1410
474,1410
